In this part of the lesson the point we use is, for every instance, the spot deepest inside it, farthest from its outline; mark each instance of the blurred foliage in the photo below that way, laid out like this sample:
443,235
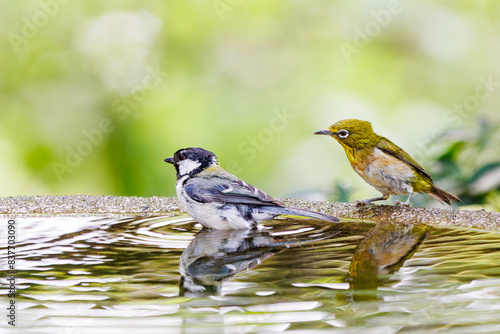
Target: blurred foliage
471,165
96,94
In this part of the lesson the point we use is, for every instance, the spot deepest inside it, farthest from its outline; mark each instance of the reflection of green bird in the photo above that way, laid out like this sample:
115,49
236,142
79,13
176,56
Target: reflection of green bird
383,164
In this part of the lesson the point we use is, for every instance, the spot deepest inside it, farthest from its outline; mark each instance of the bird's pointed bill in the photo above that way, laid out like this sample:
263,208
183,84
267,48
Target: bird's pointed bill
169,160
324,132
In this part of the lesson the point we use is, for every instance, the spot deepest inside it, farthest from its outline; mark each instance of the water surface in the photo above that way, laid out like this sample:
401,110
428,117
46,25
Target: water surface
162,275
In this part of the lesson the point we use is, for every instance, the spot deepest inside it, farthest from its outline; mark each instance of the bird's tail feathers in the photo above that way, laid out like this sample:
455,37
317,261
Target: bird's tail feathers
443,196
304,213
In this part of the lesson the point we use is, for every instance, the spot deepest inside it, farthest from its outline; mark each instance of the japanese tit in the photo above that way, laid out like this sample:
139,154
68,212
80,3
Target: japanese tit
219,200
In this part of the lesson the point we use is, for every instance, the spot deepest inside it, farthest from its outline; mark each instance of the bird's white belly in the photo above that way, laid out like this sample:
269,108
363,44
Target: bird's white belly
216,215
211,216
388,175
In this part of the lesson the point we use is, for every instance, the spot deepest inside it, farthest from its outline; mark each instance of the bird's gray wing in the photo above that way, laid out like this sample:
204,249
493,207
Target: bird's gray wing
216,189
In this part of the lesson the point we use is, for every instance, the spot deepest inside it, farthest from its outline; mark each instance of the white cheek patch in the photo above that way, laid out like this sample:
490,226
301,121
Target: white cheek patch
187,166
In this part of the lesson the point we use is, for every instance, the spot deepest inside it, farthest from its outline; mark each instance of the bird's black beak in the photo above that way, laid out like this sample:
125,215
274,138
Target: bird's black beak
169,160
325,132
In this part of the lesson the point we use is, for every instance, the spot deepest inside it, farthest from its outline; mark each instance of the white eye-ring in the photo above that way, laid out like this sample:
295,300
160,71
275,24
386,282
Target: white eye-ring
343,134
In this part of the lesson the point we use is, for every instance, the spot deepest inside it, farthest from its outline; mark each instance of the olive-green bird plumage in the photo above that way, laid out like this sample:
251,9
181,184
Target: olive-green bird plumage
383,164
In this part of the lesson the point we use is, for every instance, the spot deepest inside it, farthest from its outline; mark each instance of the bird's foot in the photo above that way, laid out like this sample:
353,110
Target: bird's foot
399,203
359,203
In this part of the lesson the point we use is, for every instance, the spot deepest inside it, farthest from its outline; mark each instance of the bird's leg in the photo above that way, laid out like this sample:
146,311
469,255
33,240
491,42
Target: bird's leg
405,203
370,200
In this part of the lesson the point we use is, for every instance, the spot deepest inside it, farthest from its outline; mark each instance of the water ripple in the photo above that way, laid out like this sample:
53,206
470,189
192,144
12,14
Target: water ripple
151,274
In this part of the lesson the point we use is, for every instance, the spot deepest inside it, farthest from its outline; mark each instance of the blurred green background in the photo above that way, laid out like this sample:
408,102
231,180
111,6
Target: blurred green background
95,94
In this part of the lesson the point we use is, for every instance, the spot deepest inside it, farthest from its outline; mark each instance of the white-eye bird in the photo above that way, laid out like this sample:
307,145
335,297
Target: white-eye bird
383,164
219,200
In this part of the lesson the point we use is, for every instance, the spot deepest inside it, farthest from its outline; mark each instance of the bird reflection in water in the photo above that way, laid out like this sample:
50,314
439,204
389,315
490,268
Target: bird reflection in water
383,251
214,256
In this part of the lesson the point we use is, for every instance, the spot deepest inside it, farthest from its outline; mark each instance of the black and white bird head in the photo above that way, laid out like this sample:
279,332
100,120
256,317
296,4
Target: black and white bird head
192,160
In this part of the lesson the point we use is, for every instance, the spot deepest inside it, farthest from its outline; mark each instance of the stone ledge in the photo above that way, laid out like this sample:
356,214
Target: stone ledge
169,206
84,204
480,219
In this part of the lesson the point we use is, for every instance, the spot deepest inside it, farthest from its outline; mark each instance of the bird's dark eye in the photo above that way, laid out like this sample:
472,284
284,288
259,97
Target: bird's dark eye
182,156
343,134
